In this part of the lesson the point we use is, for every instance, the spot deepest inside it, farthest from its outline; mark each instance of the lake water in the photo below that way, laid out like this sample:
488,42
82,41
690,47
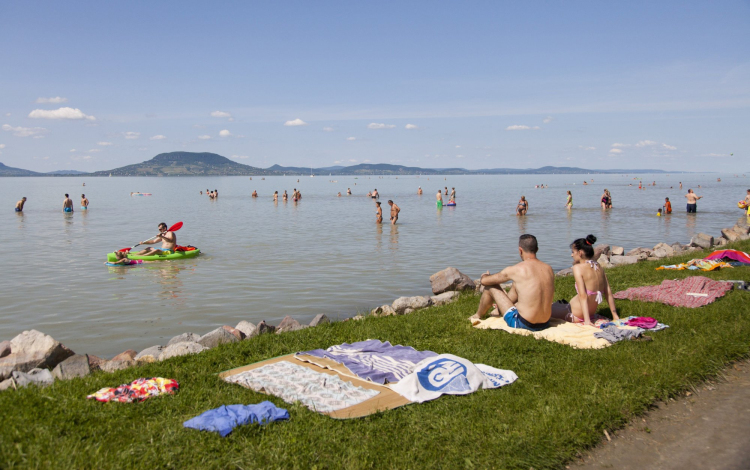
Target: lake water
323,254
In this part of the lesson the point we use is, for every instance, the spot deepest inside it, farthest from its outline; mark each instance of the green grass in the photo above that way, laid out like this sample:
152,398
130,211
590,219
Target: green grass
560,405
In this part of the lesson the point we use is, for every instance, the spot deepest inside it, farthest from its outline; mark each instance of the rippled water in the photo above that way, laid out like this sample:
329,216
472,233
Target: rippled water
322,255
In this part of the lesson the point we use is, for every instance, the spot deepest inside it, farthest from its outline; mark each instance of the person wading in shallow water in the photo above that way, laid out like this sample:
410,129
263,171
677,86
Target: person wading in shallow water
523,206
394,212
692,201
67,204
378,213
19,204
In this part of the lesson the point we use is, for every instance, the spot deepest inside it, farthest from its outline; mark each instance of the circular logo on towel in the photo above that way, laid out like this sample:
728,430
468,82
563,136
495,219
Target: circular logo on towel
440,374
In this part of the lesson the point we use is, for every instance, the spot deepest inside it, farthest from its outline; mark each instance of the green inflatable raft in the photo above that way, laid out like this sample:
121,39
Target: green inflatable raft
111,257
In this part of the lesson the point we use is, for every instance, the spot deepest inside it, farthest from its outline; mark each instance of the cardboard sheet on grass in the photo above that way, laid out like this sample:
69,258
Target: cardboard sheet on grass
386,399
575,335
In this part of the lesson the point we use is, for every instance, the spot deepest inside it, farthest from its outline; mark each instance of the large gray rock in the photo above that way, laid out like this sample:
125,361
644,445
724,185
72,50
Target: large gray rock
74,366
264,328
289,324
39,377
95,362
402,303
32,349
616,251
450,279
182,349
741,229
216,337
678,248
4,348
667,249
640,253
319,319
660,253
603,261
702,240
190,337
383,311
445,297
564,272
151,354
246,328
623,260
127,355
237,333
6,384
112,366
729,234
601,249
721,242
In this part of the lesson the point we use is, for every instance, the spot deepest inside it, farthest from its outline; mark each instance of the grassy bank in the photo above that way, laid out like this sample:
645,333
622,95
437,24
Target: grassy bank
560,405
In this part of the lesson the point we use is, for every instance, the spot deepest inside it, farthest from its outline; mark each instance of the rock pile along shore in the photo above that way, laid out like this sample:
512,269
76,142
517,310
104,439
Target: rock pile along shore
33,357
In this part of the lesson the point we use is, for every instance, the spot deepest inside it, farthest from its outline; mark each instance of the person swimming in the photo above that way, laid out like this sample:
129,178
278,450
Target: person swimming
523,206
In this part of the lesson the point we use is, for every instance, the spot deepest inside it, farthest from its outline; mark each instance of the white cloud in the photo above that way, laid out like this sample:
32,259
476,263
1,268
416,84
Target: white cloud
620,145
353,160
615,151
337,161
240,157
62,113
669,147
295,122
158,137
521,127
25,131
380,125
411,126
351,138
586,148
548,119
72,150
204,137
95,150
458,146
2,146
224,133
220,114
104,144
328,129
132,135
645,143
55,100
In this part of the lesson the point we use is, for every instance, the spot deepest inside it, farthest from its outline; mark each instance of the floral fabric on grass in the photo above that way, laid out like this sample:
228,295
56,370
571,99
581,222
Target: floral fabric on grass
138,390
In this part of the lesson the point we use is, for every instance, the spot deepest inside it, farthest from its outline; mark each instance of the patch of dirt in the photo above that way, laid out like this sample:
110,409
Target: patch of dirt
705,429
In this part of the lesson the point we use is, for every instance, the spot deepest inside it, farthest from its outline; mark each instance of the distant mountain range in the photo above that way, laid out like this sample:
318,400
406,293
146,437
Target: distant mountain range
211,164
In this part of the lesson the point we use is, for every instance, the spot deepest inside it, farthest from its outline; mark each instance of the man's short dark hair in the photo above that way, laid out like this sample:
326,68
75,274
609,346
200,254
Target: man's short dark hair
66,195
528,243
390,201
162,224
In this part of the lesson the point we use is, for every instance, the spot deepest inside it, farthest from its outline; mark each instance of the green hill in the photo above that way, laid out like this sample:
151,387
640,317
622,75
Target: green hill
187,164
10,171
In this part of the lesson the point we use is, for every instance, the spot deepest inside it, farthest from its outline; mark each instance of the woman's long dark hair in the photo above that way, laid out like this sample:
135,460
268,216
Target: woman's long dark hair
586,245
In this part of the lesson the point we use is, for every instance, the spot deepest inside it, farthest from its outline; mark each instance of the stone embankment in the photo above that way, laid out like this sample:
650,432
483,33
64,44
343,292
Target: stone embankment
36,358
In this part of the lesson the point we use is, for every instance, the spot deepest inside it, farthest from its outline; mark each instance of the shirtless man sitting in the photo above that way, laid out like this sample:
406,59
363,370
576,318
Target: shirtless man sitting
168,242
528,304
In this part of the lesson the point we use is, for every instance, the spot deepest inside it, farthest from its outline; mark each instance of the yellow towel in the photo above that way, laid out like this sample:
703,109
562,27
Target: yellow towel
578,336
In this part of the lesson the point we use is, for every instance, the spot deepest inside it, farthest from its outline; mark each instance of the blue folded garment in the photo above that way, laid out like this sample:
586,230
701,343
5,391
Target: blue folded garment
225,418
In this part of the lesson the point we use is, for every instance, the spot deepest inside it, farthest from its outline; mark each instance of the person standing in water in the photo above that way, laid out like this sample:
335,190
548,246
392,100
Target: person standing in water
446,190
375,194
19,204
84,202
453,194
692,201
378,214
275,196
667,206
255,193
394,211
349,191
67,204
523,206
747,202
439,199
569,202
419,191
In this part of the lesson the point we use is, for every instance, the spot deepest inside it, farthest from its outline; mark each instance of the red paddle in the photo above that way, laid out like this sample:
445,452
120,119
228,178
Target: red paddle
173,228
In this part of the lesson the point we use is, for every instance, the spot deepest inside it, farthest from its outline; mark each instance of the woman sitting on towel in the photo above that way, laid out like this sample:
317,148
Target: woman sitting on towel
591,284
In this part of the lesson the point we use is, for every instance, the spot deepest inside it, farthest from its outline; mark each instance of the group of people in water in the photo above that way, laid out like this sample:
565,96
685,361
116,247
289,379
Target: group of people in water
212,194
66,207
528,304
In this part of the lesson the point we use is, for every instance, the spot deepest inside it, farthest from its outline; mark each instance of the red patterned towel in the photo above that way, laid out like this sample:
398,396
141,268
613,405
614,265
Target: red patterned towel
675,293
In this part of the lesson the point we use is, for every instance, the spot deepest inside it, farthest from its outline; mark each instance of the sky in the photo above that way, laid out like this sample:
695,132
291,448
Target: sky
440,84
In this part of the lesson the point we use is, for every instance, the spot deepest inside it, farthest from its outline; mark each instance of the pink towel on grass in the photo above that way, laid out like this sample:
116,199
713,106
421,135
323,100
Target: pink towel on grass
643,322
675,293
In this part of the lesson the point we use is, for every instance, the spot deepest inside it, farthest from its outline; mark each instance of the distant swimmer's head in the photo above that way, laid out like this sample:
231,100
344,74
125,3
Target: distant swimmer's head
583,247
528,243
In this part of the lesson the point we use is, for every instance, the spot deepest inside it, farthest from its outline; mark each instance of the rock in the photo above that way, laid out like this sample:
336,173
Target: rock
408,311
319,319
183,349
652,258
358,317
641,253
384,311
40,377
112,366
600,250
128,355
95,362
741,229
722,242
702,240
237,333
74,366
189,337
6,384
414,303
663,246
264,328
603,261
677,247
450,279
728,234
4,348
445,297
622,260
564,272
661,253
289,324
616,251
215,338
246,327
32,349
151,354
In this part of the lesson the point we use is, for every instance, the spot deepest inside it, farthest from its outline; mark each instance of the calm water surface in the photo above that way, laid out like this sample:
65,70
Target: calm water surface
323,254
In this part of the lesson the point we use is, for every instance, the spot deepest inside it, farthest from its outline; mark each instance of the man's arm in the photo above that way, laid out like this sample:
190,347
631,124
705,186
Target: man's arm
494,279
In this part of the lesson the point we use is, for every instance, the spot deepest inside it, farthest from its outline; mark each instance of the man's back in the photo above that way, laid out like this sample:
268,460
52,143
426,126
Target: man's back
535,284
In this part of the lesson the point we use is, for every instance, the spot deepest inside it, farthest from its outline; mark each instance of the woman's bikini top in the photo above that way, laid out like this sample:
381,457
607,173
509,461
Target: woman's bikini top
595,266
